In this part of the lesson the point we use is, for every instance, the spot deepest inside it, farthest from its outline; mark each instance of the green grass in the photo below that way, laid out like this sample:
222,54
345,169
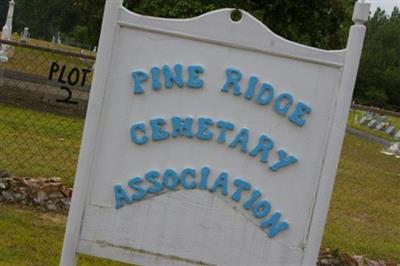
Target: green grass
27,60
49,44
355,115
29,237
364,217
36,144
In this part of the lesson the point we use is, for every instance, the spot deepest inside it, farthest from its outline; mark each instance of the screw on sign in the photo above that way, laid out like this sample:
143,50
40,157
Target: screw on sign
208,141
72,77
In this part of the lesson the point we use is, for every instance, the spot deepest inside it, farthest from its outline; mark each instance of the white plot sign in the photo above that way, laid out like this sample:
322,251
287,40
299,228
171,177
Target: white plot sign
209,142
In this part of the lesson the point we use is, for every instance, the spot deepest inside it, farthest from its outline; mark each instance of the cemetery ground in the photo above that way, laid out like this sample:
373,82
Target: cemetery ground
364,216
35,61
355,116
61,46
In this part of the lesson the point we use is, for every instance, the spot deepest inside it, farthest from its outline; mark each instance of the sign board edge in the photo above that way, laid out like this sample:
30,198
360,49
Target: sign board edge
335,142
75,215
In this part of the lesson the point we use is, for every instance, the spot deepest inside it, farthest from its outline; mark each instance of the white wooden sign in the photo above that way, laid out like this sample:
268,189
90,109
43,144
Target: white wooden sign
209,142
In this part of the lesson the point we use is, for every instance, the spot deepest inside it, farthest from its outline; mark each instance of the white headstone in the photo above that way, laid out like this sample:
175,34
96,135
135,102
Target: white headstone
5,33
209,141
390,130
394,149
364,120
53,40
25,35
7,29
372,123
397,135
3,57
379,125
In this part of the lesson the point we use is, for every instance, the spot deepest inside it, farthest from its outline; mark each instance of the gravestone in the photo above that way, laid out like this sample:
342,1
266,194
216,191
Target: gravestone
59,38
380,118
390,130
3,57
25,35
397,135
394,149
7,28
380,125
209,141
365,119
85,60
372,123
6,51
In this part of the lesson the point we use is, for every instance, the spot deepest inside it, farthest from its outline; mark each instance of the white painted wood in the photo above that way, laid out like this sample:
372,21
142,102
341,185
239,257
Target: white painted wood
258,39
192,227
338,128
88,146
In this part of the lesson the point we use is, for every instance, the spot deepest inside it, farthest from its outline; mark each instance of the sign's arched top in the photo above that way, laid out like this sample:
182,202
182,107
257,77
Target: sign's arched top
218,28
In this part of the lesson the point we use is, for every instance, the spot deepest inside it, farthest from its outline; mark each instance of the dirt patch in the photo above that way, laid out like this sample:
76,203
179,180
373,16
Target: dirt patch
54,217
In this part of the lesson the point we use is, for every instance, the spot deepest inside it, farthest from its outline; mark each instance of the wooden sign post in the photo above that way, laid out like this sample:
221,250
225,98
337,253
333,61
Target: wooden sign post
209,141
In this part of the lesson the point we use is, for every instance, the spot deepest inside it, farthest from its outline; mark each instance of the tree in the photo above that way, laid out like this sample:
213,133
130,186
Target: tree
322,24
44,17
378,81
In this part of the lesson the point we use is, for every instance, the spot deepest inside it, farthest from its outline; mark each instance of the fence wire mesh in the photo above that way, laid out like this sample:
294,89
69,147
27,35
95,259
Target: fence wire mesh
43,99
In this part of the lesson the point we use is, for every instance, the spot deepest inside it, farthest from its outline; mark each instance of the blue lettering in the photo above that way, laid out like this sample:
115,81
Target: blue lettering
121,196
134,184
233,77
254,196
224,126
170,175
284,160
187,178
203,133
242,138
297,116
139,140
193,80
251,88
264,145
264,100
283,109
158,133
155,78
274,224
241,185
170,79
205,172
188,172
151,177
138,77
261,209
182,127
221,182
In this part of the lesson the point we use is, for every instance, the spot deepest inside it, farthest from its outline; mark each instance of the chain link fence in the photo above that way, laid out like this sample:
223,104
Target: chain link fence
43,100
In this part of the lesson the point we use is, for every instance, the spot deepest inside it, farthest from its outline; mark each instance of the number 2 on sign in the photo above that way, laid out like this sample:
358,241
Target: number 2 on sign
74,77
